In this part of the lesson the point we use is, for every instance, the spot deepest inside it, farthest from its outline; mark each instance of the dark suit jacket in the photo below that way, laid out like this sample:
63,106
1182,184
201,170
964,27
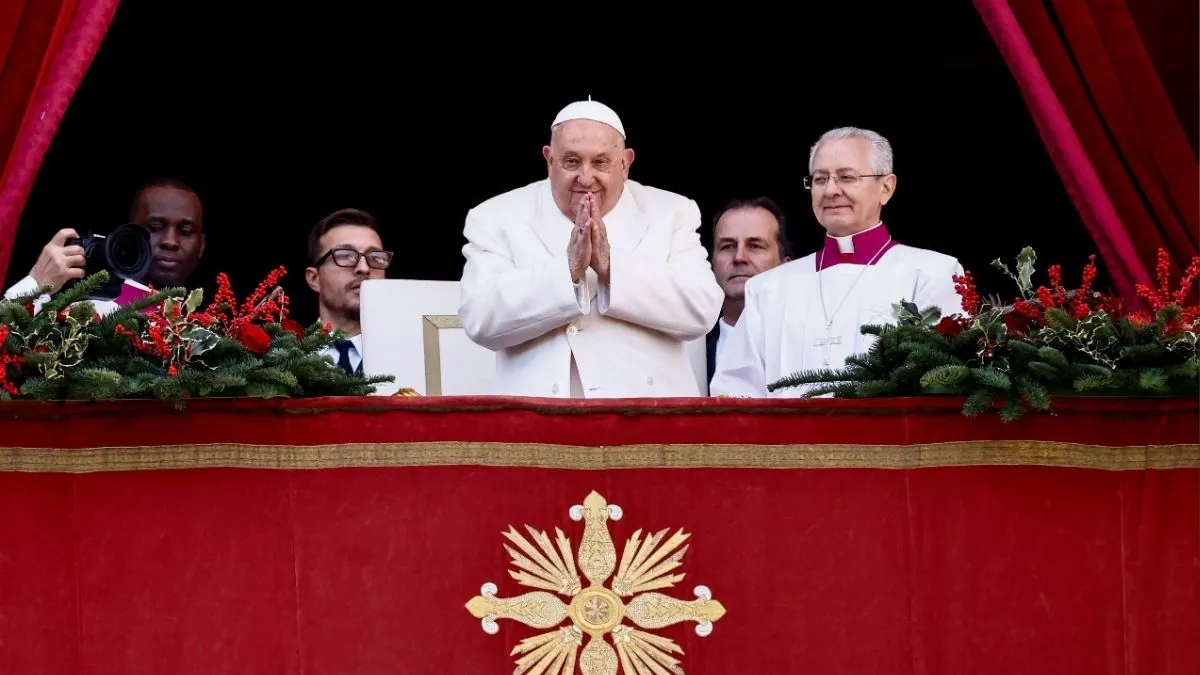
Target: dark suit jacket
712,349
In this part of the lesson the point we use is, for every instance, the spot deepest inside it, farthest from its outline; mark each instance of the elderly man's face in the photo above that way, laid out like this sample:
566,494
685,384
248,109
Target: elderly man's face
746,244
586,156
843,205
175,220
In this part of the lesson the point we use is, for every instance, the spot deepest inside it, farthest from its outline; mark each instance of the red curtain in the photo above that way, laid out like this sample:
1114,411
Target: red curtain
46,47
1108,123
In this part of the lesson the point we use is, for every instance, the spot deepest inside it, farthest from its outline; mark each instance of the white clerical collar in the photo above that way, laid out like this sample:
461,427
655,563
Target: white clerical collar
846,244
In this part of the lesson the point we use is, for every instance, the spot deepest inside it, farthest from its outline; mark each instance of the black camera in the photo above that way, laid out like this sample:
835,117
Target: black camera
124,253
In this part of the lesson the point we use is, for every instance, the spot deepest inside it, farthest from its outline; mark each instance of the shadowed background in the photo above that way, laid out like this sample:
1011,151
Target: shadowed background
278,118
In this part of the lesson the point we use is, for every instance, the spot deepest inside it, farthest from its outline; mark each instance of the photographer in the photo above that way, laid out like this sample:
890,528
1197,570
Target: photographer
172,215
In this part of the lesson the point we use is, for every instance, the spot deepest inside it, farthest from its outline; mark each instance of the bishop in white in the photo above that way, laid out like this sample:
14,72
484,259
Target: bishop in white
588,284
806,315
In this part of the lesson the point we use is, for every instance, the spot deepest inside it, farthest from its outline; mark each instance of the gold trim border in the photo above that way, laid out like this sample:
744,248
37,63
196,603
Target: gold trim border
431,344
549,456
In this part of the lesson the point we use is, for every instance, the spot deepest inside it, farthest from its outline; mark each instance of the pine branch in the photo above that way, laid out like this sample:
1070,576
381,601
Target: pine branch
979,401
873,388
991,377
945,378
1012,410
842,390
1033,393
76,293
1153,379
808,377
26,299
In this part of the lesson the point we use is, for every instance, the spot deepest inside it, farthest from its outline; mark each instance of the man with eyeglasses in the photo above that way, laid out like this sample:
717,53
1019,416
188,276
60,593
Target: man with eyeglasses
344,250
806,315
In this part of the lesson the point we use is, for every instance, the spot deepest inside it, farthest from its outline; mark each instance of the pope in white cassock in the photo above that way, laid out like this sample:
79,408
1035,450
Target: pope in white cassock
588,284
806,315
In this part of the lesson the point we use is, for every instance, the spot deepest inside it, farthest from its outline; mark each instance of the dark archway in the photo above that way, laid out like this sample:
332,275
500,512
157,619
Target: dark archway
279,119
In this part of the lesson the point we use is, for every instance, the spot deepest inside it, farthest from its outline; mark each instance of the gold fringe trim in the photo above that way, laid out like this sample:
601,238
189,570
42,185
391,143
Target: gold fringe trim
538,455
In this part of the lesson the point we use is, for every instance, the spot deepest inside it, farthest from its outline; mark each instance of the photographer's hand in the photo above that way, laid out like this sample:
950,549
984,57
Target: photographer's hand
58,262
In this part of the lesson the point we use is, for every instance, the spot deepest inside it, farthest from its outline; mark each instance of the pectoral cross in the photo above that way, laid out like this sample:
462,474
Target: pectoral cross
825,343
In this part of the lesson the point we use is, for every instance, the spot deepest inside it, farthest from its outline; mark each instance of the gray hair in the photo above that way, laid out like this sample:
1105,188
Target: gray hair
881,150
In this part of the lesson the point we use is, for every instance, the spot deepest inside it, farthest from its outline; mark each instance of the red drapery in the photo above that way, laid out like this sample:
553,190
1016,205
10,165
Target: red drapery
347,535
46,47
1109,126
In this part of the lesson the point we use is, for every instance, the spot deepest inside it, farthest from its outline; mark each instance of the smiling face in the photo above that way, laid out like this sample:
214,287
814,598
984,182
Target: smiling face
746,244
586,157
845,206
175,219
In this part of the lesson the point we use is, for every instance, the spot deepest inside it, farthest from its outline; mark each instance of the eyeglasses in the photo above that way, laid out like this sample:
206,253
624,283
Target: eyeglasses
348,257
844,179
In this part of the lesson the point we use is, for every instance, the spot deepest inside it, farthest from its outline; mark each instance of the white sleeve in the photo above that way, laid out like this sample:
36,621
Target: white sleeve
741,370
23,287
503,305
936,288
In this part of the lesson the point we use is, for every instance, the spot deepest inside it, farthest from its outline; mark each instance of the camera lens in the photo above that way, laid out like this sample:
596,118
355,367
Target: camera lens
128,250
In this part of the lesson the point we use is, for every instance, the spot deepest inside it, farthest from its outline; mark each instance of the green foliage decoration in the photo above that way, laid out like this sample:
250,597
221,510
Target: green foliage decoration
1049,342
164,346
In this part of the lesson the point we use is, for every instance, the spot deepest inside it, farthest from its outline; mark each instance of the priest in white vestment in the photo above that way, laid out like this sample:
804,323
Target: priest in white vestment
587,284
806,315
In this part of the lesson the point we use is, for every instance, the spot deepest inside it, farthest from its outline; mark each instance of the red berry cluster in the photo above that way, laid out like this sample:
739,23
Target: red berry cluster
268,303
6,360
155,343
224,303
1055,295
1162,296
258,305
965,287
163,337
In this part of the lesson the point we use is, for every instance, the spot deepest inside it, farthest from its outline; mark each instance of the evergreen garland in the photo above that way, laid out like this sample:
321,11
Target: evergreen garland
1049,342
163,346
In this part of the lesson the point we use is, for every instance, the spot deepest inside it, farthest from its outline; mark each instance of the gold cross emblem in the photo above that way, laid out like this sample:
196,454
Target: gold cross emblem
646,566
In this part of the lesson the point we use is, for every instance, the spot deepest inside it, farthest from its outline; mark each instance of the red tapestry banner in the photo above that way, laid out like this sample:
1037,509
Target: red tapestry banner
373,536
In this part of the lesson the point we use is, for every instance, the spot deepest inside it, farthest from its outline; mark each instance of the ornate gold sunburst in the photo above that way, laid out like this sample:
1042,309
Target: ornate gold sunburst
646,566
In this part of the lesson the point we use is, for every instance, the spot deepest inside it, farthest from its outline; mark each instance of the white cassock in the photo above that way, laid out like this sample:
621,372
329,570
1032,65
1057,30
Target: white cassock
553,339
784,329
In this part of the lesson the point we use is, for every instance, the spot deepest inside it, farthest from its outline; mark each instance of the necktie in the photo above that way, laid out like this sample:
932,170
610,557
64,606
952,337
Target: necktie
343,348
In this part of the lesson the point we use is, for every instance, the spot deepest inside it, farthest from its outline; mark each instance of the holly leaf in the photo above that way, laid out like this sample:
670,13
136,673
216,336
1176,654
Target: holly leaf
1025,268
202,340
194,299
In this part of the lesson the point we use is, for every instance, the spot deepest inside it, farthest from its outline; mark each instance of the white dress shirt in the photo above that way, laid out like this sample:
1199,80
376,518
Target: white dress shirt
724,329
355,353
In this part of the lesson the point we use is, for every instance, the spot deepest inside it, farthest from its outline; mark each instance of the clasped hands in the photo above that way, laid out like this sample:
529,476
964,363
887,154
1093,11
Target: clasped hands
589,242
